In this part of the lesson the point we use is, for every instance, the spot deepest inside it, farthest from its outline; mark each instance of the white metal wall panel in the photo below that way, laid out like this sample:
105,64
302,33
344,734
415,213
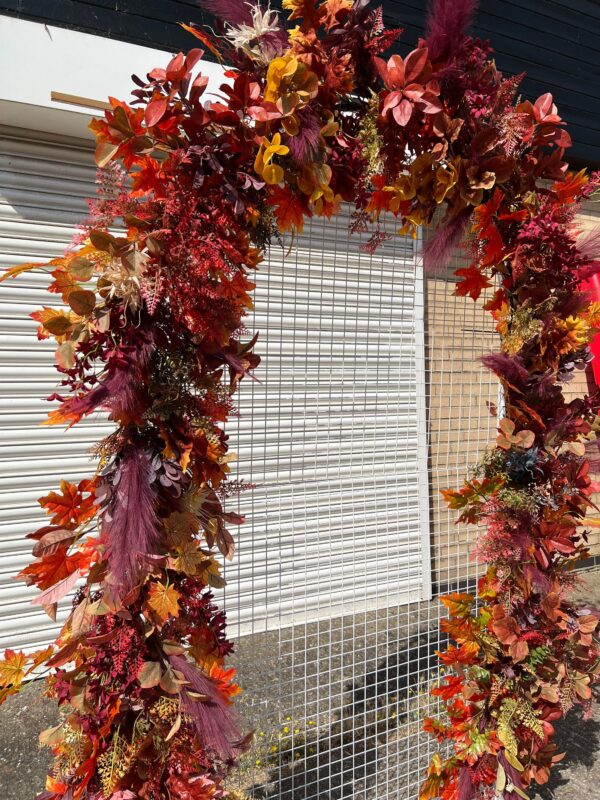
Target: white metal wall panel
333,433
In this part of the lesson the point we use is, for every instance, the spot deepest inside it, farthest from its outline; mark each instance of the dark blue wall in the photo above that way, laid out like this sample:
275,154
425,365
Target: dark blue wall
556,41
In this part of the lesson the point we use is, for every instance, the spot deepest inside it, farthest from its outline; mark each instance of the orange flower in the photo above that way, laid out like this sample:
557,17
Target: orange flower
224,681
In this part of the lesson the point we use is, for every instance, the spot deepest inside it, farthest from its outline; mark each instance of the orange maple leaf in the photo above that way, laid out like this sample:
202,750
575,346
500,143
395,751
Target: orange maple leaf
12,668
459,604
334,11
224,681
40,656
164,600
568,190
461,630
12,272
63,284
290,209
54,567
69,507
473,282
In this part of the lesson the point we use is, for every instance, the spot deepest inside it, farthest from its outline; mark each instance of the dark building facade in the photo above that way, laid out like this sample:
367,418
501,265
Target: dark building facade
556,42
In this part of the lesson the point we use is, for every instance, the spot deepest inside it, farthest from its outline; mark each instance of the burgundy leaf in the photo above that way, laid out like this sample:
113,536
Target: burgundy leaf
235,12
415,64
130,526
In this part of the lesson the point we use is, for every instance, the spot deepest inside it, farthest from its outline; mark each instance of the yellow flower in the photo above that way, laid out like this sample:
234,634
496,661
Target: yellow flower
263,163
577,332
314,182
403,189
290,84
415,219
422,172
280,69
446,177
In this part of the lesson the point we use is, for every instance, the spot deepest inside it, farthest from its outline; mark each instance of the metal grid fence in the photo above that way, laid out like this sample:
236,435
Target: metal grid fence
370,399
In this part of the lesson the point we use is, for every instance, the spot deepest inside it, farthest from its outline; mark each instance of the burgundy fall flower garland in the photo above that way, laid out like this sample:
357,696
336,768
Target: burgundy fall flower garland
153,323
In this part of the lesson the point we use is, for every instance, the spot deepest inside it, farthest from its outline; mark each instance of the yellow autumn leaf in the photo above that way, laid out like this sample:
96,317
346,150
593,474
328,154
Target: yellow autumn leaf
164,601
189,557
12,668
181,527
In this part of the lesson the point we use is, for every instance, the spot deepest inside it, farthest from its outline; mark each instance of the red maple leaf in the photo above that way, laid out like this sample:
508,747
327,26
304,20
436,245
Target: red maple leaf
484,213
473,282
493,252
290,209
465,654
450,688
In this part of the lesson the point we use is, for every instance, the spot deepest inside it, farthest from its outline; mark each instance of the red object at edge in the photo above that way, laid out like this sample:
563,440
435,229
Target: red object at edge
592,286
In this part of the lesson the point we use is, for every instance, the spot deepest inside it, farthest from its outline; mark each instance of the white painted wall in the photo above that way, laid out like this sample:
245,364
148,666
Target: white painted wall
37,59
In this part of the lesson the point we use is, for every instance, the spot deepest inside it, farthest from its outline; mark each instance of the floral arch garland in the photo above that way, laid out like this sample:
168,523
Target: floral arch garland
153,319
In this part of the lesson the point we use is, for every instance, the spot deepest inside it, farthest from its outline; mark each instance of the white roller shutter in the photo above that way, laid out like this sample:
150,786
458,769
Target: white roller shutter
43,186
334,433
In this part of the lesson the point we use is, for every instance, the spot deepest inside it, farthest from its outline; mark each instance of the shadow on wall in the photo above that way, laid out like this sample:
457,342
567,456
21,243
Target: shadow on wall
374,747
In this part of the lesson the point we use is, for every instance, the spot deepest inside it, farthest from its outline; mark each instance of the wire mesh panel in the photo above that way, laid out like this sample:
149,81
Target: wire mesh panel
369,399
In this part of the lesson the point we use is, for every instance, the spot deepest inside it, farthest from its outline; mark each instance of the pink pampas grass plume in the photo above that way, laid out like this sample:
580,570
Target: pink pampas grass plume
439,249
447,22
234,12
214,720
130,526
